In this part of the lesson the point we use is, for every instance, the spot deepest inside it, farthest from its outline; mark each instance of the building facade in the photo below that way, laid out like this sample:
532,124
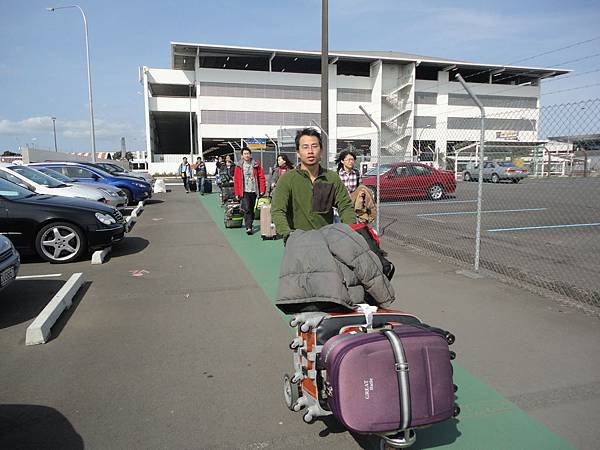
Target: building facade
213,98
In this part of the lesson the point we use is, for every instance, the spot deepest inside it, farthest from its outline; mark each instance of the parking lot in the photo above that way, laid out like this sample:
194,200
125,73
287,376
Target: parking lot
546,232
174,343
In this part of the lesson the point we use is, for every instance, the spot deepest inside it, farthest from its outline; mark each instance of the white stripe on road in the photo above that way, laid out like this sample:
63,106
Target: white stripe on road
31,277
542,227
426,203
457,213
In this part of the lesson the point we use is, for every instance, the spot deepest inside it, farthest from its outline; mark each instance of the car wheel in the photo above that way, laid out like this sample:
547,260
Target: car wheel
129,196
495,178
60,242
374,191
467,176
516,180
436,192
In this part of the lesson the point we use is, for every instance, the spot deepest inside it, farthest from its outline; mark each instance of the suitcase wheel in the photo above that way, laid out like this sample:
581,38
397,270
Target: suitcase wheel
297,342
452,355
450,338
308,417
291,392
455,388
456,411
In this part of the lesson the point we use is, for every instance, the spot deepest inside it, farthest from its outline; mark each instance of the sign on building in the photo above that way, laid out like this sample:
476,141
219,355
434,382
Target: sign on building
256,143
507,135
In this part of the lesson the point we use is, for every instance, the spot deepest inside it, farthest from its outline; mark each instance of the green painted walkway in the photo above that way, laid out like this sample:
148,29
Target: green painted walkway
487,421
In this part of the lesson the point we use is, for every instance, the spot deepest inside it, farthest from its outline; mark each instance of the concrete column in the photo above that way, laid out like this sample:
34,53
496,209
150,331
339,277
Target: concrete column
441,131
149,152
198,108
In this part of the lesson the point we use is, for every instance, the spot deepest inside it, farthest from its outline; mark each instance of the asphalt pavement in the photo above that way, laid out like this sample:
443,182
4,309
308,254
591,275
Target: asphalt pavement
175,343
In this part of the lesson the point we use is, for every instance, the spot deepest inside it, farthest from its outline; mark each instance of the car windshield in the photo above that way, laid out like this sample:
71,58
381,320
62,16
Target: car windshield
506,164
112,168
37,177
12,190
54,174
382,169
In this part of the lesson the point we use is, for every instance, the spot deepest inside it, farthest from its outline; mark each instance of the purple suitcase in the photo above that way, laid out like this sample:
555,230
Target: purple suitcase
378,383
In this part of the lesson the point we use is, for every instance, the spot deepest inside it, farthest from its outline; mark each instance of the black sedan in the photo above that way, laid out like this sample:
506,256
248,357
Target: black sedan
9,262
58,229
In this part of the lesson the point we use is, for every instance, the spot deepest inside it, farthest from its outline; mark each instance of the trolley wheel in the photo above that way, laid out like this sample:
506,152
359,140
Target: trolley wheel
450,338
291,392
452,355
308,418
455,387
456,411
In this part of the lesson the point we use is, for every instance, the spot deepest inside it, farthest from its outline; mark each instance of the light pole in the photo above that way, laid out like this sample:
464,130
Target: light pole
54,130
191,130
89,76
419,144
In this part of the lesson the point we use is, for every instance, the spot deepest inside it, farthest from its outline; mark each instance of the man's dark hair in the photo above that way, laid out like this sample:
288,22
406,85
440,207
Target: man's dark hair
246,148
307,132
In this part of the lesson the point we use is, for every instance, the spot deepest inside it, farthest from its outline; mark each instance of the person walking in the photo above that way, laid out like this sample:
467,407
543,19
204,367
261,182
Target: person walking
185,171
282,166
305,196
200,175
349,175
248,183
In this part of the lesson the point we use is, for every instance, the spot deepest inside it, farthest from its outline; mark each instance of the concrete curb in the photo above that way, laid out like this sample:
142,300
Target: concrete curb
39,330
138,209
99,256
129,223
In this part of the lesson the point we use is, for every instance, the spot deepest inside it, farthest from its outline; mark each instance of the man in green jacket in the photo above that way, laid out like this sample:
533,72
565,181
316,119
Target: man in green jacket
305,197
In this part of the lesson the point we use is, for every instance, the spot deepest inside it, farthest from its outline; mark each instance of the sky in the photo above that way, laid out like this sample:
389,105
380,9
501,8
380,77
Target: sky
43,71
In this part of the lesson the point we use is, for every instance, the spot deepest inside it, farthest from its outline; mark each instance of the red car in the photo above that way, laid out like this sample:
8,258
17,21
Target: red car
408,179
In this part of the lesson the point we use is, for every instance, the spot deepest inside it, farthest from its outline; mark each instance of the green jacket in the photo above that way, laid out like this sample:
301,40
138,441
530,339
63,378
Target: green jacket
299,205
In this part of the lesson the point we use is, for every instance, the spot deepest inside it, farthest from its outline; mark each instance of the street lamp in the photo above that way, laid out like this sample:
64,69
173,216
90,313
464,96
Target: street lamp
419,144
54,129
89,76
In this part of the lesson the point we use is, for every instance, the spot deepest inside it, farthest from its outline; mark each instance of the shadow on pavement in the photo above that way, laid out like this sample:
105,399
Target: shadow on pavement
153,201
435,436
128,246
34,426
66,315
24,299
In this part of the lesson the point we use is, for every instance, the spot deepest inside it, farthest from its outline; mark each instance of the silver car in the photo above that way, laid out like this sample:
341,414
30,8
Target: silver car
40,183
117,170
113,196
496,171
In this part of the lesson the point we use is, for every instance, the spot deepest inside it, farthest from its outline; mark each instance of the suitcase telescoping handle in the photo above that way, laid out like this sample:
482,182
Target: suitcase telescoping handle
401,367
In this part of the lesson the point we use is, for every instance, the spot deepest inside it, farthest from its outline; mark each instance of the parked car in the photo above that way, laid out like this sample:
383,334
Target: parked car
9,262
36,181
135,189
408,179
112,196
117,170
58,229
495,171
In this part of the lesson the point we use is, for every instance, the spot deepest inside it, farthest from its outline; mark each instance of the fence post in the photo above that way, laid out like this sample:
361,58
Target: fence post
378,191
480,179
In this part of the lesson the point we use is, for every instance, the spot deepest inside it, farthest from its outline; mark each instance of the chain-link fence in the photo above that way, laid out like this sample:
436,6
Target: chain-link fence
540,214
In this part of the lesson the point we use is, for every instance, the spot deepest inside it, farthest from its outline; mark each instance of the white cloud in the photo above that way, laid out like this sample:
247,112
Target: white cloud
69,129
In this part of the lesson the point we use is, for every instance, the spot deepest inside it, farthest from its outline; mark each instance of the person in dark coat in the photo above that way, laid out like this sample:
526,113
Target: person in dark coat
248,184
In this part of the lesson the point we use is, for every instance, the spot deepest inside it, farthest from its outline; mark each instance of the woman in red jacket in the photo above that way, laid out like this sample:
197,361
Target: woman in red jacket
248,183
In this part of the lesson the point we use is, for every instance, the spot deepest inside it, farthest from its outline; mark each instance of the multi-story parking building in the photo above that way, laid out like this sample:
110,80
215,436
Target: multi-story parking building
214,96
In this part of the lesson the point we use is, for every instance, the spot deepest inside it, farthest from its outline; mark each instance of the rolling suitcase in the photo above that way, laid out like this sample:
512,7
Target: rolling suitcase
259,203
395,379
207,186
226,194
267,227
234,216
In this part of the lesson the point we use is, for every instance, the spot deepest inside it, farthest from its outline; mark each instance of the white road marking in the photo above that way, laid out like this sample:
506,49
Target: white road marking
31,277
543,227
458,213
425,203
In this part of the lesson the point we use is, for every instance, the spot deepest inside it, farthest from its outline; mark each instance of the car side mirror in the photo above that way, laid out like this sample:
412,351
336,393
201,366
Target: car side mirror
95,177
28,187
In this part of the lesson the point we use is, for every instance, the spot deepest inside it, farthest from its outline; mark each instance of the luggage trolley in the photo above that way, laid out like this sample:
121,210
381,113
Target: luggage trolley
306,387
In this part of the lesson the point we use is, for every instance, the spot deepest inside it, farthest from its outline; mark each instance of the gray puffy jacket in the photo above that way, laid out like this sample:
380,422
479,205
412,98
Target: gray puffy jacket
330,268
